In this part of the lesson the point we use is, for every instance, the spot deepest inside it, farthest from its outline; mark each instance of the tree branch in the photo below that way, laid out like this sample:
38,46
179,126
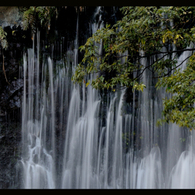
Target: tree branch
167,52
173,68
149,66
4,71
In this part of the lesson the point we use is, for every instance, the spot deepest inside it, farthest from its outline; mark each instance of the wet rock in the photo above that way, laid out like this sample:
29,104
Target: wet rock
10,151
9,16
11,96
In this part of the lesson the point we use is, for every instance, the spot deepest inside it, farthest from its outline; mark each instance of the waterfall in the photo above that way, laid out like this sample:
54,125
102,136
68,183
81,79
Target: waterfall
38,120
74,138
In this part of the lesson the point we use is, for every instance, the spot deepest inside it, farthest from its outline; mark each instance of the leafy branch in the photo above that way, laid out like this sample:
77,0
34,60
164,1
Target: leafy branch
147,29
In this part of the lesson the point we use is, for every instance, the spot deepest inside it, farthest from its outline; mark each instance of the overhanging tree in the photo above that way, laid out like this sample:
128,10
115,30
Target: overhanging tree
161,32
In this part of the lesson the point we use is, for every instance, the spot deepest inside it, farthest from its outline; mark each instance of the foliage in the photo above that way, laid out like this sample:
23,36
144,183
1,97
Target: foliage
180,107
4,45
38,14
162,33
41,15
3,39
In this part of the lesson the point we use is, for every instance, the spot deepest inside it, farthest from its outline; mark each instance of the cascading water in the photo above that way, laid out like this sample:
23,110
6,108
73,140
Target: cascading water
126,150
37,117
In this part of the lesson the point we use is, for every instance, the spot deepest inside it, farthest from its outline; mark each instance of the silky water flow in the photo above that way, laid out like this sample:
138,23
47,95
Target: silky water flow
128,150
38,112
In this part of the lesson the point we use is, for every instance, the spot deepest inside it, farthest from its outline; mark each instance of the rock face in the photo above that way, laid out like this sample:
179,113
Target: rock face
10,137
9,16
10,98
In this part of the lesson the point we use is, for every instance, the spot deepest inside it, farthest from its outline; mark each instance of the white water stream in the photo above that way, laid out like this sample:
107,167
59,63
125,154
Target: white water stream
125,151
